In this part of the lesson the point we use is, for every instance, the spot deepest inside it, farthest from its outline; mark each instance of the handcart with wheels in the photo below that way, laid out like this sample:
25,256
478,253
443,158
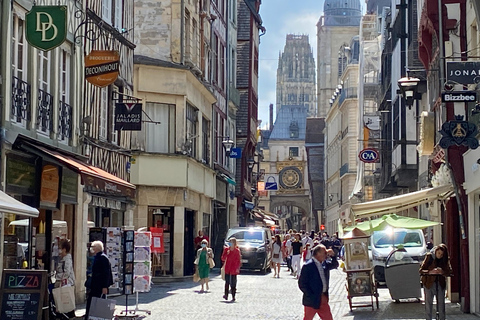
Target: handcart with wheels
402,277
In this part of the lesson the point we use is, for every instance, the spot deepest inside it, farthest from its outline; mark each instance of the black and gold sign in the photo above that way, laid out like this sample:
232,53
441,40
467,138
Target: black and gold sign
459,132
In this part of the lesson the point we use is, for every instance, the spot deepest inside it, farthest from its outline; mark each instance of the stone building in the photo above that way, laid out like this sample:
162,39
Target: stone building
296,75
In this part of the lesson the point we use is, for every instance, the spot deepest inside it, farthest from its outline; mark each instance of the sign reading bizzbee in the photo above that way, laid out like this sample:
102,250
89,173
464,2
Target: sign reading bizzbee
128,116
46,26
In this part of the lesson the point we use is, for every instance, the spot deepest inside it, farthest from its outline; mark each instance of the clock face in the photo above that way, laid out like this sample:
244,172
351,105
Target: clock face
290,178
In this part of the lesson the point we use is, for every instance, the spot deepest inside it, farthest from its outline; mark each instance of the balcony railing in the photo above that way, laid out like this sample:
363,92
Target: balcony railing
21,101
45,112
347,93
64,121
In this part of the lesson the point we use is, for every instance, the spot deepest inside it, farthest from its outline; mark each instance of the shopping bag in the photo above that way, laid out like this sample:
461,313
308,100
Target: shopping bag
64,298
222,271
196,276
211,263
101,309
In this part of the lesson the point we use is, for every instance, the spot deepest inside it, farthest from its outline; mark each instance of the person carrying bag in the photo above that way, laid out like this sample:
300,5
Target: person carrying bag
64,291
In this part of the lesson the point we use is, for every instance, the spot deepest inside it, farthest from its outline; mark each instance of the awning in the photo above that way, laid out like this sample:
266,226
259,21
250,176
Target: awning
401,202
269,222
248,204
12,205
93,178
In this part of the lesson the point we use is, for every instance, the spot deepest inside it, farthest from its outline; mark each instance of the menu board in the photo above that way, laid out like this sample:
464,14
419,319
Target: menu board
23,294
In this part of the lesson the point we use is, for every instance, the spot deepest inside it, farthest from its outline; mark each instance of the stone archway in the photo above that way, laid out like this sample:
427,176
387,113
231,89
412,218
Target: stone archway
302,202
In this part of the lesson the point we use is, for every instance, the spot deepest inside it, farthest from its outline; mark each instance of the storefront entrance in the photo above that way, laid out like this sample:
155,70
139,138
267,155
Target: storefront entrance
189,247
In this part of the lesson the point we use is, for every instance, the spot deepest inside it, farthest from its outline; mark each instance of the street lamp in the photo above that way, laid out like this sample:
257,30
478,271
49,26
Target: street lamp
227,144
408,88
251,162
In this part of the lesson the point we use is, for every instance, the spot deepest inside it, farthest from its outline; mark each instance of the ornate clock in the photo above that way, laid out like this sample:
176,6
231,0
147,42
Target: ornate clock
291,178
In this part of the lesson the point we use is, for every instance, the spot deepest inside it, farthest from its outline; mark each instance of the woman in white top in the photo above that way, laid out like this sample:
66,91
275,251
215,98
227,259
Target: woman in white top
277,258
65,277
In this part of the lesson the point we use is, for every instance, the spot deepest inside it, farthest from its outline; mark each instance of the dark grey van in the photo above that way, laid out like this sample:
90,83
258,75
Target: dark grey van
255,244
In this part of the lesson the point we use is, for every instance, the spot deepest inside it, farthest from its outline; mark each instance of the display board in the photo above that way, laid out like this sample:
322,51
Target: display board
128,260
23,293
143,263
113,247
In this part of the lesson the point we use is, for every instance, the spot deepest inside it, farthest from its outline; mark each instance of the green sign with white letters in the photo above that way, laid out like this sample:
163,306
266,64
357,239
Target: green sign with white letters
46,26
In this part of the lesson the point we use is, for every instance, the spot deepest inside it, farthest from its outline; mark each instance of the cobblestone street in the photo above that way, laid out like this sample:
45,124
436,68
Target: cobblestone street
264,297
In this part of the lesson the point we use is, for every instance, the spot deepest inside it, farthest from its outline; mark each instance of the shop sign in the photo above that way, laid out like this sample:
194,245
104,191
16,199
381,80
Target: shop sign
236,153
20,175
459,96
128,116
46,26
459,132
100,185
102,67
368,155
371,122
107,203
463,72
69,186
157,245
271,182
427,134
49,186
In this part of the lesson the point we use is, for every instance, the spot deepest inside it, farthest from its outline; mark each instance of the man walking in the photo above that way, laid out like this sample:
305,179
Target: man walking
313,282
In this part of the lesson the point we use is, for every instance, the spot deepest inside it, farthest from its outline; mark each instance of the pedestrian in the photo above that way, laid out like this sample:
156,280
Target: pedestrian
336,244
434,270
204,254
314,281
64,276
231,258
198,240
277,256
307,253
101,277
296,254
287,248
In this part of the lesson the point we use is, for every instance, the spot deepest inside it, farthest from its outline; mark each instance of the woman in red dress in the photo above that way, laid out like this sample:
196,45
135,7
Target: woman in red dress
231,259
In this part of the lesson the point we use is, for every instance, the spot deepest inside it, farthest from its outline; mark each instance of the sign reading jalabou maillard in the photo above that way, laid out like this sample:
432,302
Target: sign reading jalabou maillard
101,67
46,26
128,116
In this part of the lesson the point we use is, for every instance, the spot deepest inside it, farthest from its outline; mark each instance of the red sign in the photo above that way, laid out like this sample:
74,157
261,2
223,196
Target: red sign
157,240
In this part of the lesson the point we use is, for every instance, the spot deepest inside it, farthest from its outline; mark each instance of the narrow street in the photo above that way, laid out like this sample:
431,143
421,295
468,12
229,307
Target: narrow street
264,297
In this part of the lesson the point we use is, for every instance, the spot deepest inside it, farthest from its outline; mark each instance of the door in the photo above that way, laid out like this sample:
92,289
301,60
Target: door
189,249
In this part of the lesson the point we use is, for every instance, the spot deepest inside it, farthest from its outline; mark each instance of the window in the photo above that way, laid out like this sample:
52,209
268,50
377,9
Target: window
160,137
45,99
44,70
187,35
191,122
294,130
206,140
215,59
194,42
107,11
102,127
21,90
118,18
65,110
18,49
293,152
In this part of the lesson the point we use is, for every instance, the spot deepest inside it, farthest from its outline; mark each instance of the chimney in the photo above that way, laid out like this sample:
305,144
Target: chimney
271,116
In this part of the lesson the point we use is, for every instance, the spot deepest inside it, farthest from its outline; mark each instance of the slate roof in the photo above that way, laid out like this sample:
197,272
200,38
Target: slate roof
285,116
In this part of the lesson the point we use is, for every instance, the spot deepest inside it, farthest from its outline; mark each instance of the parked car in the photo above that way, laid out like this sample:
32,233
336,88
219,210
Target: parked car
255,246
383,242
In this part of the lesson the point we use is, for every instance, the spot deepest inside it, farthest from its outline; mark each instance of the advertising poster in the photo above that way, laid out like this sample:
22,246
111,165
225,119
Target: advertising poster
157,245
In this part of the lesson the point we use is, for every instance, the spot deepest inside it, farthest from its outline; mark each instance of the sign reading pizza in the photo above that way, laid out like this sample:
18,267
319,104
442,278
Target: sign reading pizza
128,116
46,26
101,67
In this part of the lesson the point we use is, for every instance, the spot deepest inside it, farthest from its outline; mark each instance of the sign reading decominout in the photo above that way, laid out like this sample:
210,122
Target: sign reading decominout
102,67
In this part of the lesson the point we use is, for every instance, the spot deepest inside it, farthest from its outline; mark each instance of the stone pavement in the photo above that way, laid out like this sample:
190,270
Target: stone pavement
264,297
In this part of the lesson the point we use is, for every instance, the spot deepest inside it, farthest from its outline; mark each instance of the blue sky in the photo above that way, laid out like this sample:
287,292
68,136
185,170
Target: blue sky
281,17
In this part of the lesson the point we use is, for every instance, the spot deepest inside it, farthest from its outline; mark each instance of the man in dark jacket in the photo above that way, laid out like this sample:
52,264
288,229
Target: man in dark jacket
101,274
313,282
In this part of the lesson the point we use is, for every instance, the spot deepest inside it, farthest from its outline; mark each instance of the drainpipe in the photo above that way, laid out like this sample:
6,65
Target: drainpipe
182,31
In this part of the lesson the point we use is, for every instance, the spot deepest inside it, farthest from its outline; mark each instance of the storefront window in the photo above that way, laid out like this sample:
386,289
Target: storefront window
162,217
206,224
116,218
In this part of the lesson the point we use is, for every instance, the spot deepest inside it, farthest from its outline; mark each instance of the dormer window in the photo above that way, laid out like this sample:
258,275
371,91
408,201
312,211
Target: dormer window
294,129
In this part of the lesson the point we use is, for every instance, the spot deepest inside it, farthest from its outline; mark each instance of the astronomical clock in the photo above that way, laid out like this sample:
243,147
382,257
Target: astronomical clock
290,175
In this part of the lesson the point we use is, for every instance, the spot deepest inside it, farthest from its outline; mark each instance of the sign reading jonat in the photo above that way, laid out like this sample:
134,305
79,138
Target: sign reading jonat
463,72
46,26
101,67
128,116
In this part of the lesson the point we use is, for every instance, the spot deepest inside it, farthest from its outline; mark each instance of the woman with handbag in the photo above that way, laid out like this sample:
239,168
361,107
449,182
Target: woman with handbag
231,259
204,263
65,277
277,256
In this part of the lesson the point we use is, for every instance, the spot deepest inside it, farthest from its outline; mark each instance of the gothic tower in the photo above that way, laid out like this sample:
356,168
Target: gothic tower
296,75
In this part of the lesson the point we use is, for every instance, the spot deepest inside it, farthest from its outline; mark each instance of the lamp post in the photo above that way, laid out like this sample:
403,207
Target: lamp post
227,144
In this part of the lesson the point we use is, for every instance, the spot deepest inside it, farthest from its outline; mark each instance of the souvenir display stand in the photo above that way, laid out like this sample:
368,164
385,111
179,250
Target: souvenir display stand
360,281
137,268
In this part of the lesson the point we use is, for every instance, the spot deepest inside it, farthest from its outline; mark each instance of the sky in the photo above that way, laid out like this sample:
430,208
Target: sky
281,17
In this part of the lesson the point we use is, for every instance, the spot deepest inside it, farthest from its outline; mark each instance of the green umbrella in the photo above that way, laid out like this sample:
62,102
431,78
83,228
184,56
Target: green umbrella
393,221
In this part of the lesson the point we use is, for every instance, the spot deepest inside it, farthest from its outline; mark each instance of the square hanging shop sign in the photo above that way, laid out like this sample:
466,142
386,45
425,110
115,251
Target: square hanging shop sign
128,116
102,67
46,26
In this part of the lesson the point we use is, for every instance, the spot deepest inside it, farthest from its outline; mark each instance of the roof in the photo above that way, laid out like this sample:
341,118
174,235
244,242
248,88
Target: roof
286,117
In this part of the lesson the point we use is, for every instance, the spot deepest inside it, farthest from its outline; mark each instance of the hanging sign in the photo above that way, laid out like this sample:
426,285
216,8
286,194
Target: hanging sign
458,132
46,26
271,182
49,186
102,67
368,155
463,72
459,96
128,116
236,153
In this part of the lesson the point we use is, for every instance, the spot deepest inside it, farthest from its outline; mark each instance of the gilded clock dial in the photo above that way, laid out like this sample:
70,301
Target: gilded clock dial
290,177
